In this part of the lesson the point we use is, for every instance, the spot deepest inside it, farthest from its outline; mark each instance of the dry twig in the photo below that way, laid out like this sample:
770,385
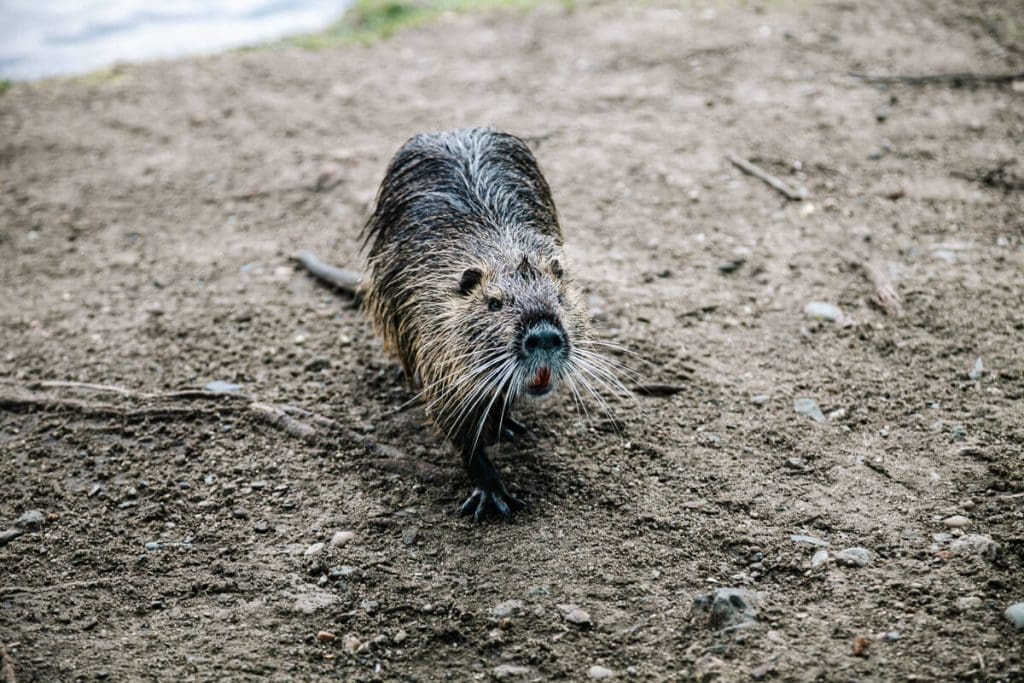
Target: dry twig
885,295
962,78
778,185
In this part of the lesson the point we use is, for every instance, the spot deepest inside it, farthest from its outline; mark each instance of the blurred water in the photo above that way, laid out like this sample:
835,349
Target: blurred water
54,37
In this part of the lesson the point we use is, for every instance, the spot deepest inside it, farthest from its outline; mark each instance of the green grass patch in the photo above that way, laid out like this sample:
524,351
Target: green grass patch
370,20
4,86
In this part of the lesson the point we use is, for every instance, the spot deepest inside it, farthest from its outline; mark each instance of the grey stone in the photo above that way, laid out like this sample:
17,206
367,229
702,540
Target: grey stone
956,522
506,672
31,520
313,549
819,558
341,538
820,310
968,603
855,557
153,545
506,609
725,607
599,672
808,407
974,544
409,535
1015,613
574,615
222,387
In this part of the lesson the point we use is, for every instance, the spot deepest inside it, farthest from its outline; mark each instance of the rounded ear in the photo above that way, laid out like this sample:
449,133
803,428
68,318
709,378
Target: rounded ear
556,269
470,279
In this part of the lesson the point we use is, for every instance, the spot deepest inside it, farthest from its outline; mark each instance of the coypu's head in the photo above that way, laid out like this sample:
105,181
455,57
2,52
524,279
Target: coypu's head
522,321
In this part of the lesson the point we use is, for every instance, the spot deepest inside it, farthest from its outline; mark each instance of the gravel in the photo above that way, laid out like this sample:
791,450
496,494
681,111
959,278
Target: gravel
574,615
31,520
808,407
725,607
600,672
855,557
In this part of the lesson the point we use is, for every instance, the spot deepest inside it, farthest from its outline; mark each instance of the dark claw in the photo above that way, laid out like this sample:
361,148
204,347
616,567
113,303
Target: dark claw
481,503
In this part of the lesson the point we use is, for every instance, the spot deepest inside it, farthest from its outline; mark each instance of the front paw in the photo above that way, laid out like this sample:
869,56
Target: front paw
484,502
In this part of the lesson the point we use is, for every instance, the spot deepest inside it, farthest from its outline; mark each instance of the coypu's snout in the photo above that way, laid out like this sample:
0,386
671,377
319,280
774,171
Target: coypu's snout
544,352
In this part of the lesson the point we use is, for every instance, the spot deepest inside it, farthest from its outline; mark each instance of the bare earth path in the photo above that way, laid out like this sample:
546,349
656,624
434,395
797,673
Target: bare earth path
146,222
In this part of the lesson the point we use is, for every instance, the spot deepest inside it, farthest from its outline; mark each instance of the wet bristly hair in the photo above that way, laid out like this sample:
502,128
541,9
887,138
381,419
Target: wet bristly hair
465,255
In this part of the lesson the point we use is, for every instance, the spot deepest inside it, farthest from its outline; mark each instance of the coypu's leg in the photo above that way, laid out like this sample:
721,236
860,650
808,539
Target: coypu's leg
489,493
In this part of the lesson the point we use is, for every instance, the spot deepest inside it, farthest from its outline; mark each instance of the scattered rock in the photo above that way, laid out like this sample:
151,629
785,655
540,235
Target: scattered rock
262,527
974,544
725,607
318,364
819,558
968,603
763,670
9,535
574,615
956,522
221,387
340,538
153,545
978,370
505,672
823,311
759,399
409,535
351,643
1015,613
808,407
506,609
400,637
313,549
810,540
31,520
600,672
855,557
796,463
313,600
325,636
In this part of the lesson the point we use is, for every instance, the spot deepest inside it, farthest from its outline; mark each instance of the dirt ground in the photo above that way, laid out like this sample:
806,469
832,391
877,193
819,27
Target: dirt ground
147,217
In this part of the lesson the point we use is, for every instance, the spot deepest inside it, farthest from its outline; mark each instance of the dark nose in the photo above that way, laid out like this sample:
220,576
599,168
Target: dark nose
543,339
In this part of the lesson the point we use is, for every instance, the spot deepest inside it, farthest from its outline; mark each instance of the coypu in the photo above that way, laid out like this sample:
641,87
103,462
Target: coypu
466,284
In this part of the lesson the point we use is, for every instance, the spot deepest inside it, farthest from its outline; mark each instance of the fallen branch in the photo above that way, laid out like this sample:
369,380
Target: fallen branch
761,174
658,389
962,78
346,281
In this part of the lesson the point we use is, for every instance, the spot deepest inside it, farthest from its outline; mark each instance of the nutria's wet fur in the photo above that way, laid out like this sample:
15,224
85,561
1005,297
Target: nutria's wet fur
467,285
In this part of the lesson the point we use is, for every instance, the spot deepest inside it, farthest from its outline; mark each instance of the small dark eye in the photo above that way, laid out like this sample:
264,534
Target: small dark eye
493,304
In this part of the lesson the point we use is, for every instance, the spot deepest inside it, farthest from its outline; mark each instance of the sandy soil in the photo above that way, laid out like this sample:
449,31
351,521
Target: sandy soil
146,223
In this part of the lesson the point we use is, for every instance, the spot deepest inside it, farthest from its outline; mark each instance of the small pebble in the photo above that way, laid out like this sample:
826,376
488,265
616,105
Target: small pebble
325,636
759,399
854,557
971,544
506,609
599,672
221,387
1015,613
341,538
808,407
350,642
409,535
956,522
823,311
400,637
504,672
574,615
313,549
262,526
153,545
978,370
968,603
819,558
31,520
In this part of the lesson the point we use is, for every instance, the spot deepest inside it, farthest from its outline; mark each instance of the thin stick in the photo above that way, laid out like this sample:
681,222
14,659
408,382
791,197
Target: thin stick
658,389
344,280
761,174
962,78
